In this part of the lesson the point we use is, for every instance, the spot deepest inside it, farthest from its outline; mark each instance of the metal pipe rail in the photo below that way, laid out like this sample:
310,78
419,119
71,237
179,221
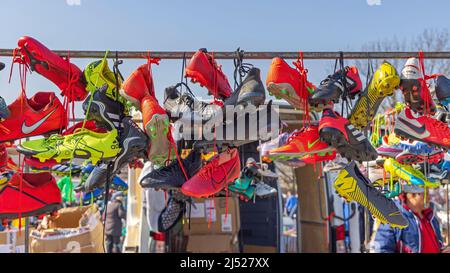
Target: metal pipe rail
259,55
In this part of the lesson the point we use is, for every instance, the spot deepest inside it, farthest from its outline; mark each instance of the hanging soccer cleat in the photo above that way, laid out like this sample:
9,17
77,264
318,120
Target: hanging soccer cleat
157,126
348,141
39,115
214,176
38,194
106,112
299,144
172,175
413,86
422,128
408,173
202,68
290,84
83,144
139,85
333,87
383,83
67,76
352,185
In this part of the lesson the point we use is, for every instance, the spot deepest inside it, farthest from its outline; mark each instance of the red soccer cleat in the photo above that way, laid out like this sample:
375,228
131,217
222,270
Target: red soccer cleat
422,128
138,86
351,143
39,195
53,67
156,125
41,114
203,69
290,84
304,142
3,157
214,176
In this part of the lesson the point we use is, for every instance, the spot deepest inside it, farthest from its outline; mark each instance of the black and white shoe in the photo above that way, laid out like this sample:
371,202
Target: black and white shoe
134,144
106,112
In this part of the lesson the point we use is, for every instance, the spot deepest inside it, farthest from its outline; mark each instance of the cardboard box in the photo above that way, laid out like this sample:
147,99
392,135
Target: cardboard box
259,249
12,241
204,211
212,244
61,234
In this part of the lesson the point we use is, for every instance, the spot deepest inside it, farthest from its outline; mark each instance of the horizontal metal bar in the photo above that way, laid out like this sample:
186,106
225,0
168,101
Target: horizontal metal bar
259,55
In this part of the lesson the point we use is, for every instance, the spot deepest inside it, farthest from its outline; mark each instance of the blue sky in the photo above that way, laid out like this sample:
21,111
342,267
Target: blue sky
262,25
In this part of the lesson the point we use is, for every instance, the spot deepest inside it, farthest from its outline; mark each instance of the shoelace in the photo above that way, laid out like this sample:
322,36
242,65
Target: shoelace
303,92
295,134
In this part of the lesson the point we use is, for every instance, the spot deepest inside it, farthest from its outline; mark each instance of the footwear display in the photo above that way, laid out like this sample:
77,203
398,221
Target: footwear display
277,142
284,82
411,80
348,141
383,83
98,74
262,190
242,130
67,76
301,143
133,142
186,150
243,185
178,105
332,88
37,192
171,214
172,175
251,91
422,128
214,176
83,144
156,125
353,186
138,86
407,173
202,68
107,113
39,115
442,90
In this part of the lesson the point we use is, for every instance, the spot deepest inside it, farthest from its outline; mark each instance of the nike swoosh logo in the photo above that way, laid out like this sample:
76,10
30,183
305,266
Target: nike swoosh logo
29,129
310,145
419,130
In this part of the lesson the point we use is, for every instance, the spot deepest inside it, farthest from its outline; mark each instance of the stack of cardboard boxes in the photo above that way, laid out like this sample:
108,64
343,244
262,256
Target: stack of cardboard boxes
12,241
212,227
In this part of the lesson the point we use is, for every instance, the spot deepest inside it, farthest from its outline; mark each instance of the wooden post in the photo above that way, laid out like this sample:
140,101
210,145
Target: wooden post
313,230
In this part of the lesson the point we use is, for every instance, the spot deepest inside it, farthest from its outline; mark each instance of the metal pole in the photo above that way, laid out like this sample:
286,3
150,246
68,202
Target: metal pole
258,55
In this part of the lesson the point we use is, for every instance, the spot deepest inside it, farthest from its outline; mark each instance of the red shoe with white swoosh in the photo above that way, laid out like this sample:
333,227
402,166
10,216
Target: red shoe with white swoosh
41,114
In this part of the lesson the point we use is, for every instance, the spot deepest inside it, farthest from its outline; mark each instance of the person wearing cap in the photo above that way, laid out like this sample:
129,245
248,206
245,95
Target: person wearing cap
113,225
423,234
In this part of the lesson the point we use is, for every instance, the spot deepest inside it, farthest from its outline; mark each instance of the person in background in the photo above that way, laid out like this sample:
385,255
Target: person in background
291,204
423,233
113,225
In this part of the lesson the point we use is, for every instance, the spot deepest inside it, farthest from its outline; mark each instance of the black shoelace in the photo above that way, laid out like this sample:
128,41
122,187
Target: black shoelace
241,69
